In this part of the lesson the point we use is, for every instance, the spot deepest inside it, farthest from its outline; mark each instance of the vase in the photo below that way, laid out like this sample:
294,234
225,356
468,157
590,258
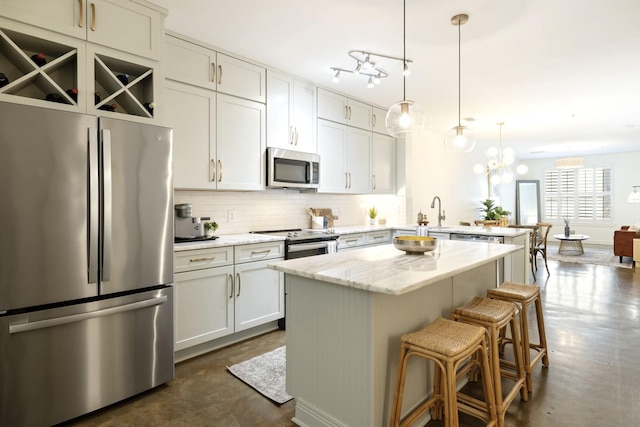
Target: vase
566,231
372,221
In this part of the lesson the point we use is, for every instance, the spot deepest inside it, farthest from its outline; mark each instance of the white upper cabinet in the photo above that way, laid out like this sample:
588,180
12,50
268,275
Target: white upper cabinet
291,113
198,65
240,136
191,112
133,27
338,108
383,160
378,120
345,158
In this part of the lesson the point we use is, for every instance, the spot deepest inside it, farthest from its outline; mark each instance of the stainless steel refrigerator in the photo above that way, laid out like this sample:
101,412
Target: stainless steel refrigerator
86,262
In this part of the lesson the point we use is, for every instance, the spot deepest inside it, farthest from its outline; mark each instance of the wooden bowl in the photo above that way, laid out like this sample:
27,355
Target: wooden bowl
415,244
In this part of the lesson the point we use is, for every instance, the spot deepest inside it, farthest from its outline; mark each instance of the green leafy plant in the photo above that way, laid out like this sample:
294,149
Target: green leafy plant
211,225
373,212
492,212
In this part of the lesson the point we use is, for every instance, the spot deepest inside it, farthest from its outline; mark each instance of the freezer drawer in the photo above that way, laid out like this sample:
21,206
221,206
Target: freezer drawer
61,363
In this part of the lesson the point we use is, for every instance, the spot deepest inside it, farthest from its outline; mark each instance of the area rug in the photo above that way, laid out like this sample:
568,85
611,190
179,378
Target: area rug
591,256
266,374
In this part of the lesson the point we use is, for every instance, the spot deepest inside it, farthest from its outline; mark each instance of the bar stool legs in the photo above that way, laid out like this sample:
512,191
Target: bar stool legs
447,344
524,295
496,316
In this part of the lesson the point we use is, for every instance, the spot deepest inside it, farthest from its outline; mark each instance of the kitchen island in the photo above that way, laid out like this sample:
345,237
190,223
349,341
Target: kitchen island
347,311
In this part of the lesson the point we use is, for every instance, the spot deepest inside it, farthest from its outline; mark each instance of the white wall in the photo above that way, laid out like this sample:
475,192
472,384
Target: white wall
433,171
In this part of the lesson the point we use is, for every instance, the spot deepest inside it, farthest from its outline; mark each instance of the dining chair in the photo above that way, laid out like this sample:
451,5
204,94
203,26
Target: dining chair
541,244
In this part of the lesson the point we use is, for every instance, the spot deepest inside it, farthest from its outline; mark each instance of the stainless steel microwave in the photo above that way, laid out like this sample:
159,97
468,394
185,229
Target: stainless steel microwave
292,169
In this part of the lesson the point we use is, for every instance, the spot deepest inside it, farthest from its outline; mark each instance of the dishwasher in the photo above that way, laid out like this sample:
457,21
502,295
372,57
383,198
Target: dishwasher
485,239
477,238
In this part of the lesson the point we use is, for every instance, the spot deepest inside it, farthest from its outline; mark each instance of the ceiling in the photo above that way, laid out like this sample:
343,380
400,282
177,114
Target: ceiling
563,76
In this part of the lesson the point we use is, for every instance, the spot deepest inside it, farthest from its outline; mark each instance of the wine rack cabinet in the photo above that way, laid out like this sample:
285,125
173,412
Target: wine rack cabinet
95,72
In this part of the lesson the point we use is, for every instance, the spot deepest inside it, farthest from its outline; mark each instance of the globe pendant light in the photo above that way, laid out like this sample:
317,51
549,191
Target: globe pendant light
459,138
404,117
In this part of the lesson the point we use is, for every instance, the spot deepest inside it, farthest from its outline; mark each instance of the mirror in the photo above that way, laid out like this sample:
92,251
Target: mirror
527,202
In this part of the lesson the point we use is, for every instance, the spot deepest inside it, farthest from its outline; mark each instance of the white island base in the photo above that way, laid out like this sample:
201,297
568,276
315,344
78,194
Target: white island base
343,341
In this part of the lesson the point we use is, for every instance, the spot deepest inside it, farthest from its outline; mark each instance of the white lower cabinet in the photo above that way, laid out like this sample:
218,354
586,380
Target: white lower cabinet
215,298
359,240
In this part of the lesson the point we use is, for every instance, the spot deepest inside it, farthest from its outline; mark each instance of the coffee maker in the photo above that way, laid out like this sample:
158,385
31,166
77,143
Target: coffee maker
187,227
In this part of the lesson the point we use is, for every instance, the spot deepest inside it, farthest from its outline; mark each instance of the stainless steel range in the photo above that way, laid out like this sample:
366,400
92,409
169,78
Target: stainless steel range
303,243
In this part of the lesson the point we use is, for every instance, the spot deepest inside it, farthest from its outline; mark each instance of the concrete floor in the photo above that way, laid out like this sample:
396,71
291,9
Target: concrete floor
592,314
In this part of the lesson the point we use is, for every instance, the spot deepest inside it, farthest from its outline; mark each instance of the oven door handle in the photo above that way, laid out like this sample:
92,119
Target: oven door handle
299,247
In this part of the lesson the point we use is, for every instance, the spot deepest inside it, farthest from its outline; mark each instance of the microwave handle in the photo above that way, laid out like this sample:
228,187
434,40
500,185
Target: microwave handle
308,172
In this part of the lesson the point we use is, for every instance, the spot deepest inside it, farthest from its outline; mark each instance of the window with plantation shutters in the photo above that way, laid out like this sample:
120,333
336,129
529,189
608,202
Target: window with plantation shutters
580,195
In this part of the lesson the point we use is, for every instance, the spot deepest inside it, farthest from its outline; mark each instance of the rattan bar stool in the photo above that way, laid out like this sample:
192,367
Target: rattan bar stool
524,295
496,316
448,344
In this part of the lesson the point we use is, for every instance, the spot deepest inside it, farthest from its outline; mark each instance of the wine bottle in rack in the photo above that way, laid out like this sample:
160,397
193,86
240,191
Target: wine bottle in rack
39,59
4,80
73,94
54,97
124,78
96,98
149,106
108,107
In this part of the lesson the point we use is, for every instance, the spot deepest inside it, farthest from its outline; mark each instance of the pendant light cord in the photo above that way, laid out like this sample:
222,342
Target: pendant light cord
459,73
404,50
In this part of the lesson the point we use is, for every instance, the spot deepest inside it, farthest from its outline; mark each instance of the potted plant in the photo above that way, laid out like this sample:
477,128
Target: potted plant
372,213
210,227
492,212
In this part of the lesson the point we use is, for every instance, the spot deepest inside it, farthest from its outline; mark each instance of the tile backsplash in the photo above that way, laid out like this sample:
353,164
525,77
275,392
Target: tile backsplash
241,212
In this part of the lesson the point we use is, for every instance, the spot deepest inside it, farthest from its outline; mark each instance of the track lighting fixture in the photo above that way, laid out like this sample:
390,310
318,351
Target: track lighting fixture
366,66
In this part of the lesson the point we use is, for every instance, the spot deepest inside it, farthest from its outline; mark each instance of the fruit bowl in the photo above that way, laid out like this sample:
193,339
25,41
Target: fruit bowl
415,244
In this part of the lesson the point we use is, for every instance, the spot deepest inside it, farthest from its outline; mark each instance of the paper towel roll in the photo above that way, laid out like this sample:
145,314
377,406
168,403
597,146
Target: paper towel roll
317,222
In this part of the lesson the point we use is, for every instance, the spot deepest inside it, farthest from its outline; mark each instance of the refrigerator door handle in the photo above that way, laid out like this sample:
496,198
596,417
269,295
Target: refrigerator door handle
57,321
93,207
106,203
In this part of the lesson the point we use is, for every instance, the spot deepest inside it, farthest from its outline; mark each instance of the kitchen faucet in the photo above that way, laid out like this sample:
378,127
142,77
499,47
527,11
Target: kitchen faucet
441,214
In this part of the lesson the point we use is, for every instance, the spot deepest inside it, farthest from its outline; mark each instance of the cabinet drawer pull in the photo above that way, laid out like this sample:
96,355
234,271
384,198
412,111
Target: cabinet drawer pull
374,181
291,137
219,74
374,121
349,113
351,242
265,252
213,72
213,170
219,170
209,258
296,136
346,180
349,179
93,16
346,112
378,237
239,284
81,13
232,285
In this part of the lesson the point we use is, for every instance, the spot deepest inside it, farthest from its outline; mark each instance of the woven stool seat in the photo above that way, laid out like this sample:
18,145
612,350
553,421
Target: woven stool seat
486,310
515,291
496,316
525,295
445,337
448,345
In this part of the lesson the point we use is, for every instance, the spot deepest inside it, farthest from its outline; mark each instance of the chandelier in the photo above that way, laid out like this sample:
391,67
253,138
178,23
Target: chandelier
570,163
404,117
499,162
367,66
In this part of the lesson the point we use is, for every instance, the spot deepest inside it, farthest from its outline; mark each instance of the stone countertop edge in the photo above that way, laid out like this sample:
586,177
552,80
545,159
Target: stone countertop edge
387,270
227,240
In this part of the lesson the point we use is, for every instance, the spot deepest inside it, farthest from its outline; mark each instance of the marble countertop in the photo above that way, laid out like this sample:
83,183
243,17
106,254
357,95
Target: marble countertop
227,240
483,231
385,269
